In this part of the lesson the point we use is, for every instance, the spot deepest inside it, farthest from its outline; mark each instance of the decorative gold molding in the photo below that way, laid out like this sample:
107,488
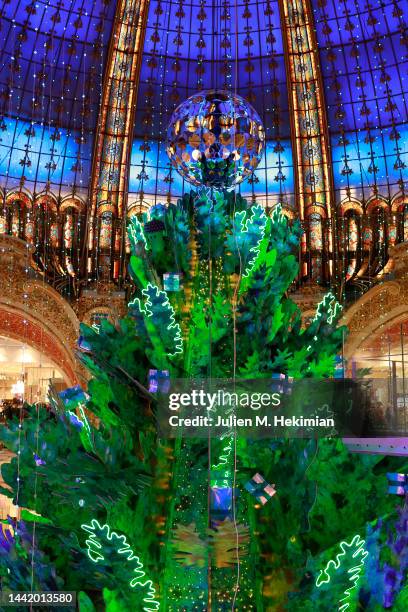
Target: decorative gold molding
113,143
381,307
33,312
310,136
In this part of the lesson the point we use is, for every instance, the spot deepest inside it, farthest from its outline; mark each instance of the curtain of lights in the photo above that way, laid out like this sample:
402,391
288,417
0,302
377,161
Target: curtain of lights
313,170
53,55
363,57
115,130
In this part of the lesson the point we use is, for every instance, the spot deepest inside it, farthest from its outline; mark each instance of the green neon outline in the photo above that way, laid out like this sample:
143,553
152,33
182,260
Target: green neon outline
96,556
84,421
241,221
136,232
145,310
354,571
333,310
224,460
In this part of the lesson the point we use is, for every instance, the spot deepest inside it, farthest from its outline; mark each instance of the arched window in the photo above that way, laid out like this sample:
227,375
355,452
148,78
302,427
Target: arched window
352,243
17,216
73,223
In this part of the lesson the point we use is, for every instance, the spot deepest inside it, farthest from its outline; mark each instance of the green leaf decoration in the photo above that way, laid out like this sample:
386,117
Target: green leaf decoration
136,234
106,468
219,549
251,367
137,269
189,549
212,223
244,240
105,545
178,235
229,543
85,603
159,319
343,573
329,309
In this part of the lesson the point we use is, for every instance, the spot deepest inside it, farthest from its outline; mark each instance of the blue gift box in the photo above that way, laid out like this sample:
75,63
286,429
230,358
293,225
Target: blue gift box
159,380
172,281
397,483
260,489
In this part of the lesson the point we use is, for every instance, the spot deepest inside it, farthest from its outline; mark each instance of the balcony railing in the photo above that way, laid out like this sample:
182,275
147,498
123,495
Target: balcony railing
349,253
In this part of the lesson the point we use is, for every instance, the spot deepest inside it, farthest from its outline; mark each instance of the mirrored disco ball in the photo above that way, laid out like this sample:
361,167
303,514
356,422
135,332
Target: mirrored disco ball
216,139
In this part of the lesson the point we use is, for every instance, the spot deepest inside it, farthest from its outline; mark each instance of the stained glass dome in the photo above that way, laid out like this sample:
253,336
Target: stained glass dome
55,57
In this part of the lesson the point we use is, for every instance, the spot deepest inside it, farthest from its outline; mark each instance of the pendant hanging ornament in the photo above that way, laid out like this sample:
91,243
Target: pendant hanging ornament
215,139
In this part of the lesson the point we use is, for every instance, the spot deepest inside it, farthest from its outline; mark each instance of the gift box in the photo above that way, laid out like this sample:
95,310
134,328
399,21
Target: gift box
397,483
159,380
172,281
260,489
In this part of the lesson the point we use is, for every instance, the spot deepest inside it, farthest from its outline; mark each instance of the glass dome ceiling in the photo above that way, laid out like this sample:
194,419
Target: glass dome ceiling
363,55
52,59
51,74
193,45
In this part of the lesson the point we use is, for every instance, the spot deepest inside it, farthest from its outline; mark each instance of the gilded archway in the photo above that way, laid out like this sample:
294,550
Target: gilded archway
33,312
380,309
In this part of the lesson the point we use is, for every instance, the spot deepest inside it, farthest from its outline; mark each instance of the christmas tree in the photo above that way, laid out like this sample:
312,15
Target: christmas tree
133,521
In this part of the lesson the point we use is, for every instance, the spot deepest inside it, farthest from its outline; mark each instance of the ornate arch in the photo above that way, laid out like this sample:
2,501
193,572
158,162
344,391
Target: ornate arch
73,202
350,204
289,213
381,307
33,312
19,196
377,202
136,208
398,202
47,201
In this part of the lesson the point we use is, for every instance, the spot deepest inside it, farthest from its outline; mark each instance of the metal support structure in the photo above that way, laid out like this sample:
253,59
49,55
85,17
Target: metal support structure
113,143
310,136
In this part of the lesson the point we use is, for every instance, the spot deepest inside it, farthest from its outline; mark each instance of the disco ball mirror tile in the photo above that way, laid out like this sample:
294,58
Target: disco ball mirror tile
215,139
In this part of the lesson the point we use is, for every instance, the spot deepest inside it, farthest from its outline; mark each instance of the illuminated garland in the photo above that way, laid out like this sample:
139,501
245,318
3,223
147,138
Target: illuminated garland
243,228
333,307
227,450
146,311
136,232
94,547
354,572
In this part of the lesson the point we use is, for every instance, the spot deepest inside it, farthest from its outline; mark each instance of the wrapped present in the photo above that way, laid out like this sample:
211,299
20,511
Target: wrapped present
172,281
397,483
280,383
338,367
159,380
260,489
